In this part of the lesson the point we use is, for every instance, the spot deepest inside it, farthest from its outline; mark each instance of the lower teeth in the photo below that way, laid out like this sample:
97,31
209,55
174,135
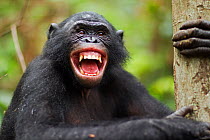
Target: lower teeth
90,74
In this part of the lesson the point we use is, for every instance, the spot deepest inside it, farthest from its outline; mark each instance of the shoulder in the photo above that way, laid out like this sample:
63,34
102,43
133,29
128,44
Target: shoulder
124,77
40,68
122,80
40,62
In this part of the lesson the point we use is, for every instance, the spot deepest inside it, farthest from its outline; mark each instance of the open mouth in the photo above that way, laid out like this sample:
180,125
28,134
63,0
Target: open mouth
88,64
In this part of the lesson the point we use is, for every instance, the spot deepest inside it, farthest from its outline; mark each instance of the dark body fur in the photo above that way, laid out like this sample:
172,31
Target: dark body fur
50,104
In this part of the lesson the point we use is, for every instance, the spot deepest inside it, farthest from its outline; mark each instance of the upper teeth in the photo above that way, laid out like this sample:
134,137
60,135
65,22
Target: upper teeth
90,57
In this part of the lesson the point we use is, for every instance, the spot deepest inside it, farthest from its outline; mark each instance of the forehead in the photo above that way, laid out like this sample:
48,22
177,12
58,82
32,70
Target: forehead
89,24
90,19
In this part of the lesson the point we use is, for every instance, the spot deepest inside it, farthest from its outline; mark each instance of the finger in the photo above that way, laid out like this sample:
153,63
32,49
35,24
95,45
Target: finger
200,23
207,125
201,51
181,112
184,111
190,33
205,135
192,43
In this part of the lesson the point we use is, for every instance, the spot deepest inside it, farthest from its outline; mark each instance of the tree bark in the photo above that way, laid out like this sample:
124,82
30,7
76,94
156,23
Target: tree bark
191,75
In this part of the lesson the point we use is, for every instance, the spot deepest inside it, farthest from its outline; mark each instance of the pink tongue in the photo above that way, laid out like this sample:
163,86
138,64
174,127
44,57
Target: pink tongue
89,66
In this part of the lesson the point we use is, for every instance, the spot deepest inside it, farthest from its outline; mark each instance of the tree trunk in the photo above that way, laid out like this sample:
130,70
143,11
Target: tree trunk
191,75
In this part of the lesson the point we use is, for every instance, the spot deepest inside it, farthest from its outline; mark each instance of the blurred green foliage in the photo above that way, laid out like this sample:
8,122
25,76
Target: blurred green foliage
147,26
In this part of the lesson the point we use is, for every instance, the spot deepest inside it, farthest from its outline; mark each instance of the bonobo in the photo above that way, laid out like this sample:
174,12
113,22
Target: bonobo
77,88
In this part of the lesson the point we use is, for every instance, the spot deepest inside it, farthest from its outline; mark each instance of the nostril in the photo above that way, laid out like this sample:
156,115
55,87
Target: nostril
95,41
90,40
87,40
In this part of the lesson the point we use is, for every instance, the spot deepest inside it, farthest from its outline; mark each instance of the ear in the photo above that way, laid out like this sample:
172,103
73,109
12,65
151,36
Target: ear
51,29
120,33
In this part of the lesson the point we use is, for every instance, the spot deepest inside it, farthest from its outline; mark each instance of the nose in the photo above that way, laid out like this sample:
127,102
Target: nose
90,40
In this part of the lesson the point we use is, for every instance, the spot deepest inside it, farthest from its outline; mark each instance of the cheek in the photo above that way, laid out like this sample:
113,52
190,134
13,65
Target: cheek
74,38
107,38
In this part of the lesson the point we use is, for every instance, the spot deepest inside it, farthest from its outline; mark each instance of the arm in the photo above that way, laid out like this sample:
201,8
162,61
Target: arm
40,116
135,98
147,129
42,124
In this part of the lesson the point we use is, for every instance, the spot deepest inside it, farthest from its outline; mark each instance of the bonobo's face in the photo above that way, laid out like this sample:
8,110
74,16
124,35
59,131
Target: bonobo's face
89,53
91,43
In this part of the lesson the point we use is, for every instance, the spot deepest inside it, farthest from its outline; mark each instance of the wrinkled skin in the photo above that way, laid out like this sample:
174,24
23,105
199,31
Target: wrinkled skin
77,89
193,39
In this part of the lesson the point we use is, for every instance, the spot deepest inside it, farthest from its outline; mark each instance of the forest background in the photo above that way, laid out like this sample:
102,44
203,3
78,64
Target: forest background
147,34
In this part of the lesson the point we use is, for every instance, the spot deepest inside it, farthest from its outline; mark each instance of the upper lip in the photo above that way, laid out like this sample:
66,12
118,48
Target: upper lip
77,51
100,55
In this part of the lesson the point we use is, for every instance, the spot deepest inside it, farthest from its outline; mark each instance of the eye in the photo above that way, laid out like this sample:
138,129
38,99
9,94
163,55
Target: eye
81,31
101,33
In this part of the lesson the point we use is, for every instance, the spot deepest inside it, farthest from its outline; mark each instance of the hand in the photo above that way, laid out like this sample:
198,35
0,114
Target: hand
197,129
181,113
193,39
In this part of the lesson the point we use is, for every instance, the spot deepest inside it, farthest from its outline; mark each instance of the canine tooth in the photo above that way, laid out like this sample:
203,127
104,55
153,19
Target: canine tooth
81,71
100,59
97,73
80,58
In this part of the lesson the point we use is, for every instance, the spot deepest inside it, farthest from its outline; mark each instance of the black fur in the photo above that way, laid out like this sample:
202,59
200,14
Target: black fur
48,103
